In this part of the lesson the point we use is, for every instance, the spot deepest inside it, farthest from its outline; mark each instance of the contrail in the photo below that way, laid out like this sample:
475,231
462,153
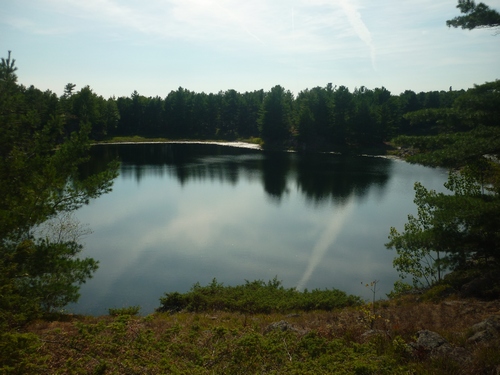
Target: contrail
239,21
326,240
359,27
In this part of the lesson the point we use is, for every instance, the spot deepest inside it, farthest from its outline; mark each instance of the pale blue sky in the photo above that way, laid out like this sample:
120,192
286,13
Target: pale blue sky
155,46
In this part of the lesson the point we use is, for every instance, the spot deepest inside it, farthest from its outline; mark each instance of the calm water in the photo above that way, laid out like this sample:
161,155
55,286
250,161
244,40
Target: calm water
185,213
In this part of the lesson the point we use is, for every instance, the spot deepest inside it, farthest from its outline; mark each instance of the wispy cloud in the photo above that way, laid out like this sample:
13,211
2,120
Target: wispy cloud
246,45
359,26
305,26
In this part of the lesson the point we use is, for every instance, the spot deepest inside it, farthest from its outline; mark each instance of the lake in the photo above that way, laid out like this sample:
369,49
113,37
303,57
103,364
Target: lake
185,213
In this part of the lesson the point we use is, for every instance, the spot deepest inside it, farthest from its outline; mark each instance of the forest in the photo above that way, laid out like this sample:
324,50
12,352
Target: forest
315,119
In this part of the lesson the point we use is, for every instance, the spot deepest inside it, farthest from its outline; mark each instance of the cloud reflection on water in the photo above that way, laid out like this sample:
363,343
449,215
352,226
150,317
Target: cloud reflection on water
326,228
326,240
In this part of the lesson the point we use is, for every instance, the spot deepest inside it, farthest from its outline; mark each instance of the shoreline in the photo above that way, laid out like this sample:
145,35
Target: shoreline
238,144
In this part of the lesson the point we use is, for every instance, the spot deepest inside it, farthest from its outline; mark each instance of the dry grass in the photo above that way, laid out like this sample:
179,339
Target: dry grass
211,343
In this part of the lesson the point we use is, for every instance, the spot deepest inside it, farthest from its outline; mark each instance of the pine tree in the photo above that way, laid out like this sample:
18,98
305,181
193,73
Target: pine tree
40,181
475,16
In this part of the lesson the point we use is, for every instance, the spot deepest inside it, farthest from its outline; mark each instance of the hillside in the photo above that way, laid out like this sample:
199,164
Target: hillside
351,340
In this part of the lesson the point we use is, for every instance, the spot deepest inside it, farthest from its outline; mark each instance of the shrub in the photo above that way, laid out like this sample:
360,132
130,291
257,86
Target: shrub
131,310
255,297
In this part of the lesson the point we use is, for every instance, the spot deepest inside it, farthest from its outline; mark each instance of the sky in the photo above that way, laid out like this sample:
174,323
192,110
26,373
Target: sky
156,46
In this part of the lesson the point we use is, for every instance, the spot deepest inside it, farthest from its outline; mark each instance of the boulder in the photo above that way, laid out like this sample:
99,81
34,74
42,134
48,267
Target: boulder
486,330
434,345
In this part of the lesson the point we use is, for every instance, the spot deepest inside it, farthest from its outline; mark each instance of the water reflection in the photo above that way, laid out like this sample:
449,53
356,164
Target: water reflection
275,168
337,177
319,177
180,214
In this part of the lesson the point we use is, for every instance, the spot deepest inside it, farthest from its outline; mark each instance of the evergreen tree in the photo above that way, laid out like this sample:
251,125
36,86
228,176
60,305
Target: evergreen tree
276,116
469,131
343,113
465,224
39,181
475,16
7,69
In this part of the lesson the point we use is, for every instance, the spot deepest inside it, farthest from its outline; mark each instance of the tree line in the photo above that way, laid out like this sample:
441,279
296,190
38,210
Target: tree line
314,118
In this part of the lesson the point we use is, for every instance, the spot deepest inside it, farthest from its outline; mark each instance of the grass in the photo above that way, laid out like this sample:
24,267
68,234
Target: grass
223,340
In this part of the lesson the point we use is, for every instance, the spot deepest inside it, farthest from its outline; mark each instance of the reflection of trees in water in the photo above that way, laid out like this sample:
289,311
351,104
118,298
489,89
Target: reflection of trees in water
275,168
186,162
319,177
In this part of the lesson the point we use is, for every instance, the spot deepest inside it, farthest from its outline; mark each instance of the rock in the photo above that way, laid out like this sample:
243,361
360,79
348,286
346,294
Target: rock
428,340
491,323
434,345
486,330
282,325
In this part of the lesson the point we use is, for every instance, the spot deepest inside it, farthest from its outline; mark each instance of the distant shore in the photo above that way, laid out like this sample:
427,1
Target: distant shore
254,145
139,140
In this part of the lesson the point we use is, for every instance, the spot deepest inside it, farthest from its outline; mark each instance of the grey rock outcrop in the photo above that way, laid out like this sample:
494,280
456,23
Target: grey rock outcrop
486,330
434,345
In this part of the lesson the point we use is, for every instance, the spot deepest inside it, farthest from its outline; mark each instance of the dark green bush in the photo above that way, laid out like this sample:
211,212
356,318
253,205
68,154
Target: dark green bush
255,297
18,354
131,310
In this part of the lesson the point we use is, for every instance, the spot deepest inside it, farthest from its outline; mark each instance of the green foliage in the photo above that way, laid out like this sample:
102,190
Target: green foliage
51,273
462,276
19,354
470,130
475,16
437,292
321,118
415,247
400,288
200,346
462,225
233,343
449,231
7,69
275,121
87,107
255,297
40,183
130,310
